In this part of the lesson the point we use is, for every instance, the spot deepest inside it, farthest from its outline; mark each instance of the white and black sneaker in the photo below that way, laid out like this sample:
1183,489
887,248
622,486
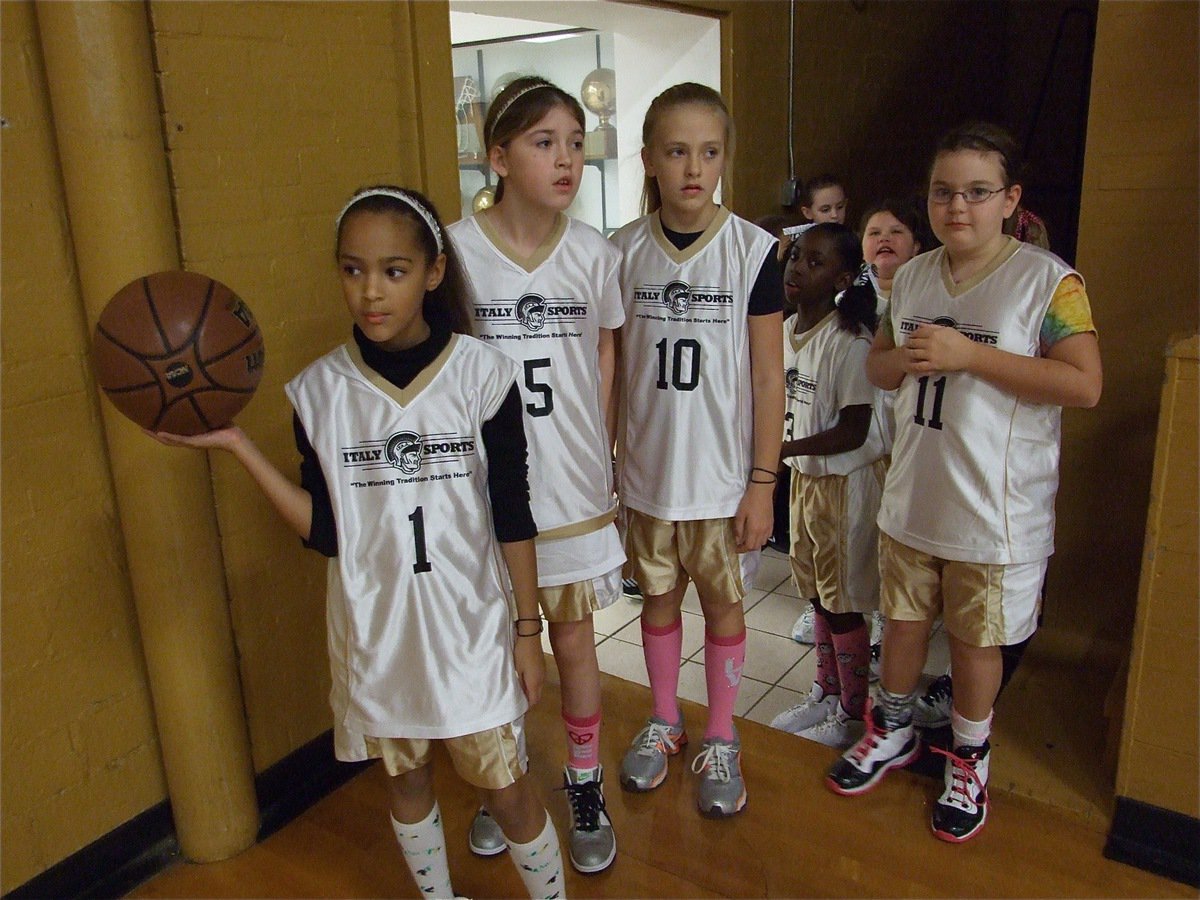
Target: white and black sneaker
630,589
960,812
875,754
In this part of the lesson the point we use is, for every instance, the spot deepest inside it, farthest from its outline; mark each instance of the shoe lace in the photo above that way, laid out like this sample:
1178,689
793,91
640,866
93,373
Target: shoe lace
715,759
587,802
656,737
869,740
962,776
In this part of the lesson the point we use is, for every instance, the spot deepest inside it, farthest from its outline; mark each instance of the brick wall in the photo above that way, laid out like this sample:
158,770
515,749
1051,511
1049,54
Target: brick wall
80,752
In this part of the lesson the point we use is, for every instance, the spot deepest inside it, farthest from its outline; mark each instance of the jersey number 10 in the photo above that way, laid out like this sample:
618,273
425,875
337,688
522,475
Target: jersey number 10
685,364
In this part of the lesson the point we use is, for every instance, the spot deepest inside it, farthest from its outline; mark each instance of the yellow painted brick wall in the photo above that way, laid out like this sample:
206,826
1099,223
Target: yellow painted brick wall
1160,740
274,113
80,752
1138,234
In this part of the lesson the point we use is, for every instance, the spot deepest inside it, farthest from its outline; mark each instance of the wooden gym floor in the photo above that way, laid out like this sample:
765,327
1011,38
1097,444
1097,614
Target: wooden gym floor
794,839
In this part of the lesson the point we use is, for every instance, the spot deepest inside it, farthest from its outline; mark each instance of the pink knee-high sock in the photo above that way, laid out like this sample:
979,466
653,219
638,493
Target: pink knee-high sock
723,661
853,652
827,670
662,647
583,741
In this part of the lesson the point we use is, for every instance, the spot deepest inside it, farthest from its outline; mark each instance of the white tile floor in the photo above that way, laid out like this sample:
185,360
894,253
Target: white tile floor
778,671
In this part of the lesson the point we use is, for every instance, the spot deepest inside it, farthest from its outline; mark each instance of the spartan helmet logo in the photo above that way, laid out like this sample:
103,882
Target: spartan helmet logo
531,312
946,320
677,297
404,452
792,381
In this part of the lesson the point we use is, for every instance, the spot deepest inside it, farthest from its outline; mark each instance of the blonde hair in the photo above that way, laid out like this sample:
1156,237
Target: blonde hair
689,92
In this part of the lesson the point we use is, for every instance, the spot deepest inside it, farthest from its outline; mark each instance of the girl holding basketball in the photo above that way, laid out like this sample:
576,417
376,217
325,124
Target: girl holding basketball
986,340
547,295
413,483
702,390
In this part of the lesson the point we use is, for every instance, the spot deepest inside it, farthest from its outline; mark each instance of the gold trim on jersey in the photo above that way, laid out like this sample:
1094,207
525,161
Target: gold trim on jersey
575,529
957,290
679,257
539,256
797,341
406,395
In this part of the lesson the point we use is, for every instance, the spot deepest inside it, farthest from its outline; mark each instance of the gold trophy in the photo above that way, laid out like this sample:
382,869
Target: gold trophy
599,96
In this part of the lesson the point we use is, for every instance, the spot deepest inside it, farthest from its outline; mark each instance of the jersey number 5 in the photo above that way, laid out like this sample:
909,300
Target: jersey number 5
685,365
939,392
538,387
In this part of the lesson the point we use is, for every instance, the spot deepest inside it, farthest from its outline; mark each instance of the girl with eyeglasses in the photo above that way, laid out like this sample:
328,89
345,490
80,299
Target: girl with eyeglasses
986,339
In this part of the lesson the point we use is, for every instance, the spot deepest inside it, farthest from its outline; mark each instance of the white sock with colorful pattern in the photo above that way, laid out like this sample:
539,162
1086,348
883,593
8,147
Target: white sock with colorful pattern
424,847
540,863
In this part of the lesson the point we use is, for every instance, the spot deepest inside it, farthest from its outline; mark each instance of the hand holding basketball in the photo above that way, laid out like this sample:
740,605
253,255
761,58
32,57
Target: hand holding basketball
178,352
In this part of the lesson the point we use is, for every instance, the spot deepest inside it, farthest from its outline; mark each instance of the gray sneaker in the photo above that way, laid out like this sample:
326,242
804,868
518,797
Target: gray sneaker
485,837
932,709
810,711
645,764
722,788
592,841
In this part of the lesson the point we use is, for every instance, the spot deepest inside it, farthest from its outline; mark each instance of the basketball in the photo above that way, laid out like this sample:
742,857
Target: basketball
178,352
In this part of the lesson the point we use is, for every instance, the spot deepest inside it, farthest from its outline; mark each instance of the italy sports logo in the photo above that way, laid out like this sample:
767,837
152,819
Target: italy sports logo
408,451
681,299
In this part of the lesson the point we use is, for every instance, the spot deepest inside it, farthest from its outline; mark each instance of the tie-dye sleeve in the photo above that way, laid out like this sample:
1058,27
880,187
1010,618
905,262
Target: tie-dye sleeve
1069,313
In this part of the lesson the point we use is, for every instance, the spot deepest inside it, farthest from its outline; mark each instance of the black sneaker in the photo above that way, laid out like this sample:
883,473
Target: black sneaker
962,809
877,752
630,589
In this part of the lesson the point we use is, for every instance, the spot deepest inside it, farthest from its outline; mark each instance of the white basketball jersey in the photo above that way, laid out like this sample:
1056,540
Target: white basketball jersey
546,313
688,404
419,615
824,371
974,469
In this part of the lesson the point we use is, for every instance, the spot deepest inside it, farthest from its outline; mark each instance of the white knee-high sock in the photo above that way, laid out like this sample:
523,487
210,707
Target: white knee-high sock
540,863
424,848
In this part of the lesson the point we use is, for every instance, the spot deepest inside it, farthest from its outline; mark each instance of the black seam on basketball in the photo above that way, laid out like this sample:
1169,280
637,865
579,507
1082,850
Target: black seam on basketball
129,389
234,349
162,332
208,426
194,337
136,354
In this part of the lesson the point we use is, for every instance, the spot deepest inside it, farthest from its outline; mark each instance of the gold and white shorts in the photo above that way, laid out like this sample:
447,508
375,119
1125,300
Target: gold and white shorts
982,604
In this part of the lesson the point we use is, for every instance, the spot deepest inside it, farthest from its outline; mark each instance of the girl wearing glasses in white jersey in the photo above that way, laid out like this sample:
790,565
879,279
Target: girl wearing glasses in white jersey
986,340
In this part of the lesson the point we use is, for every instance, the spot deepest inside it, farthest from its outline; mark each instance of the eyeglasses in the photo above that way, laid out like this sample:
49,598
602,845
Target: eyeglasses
942,195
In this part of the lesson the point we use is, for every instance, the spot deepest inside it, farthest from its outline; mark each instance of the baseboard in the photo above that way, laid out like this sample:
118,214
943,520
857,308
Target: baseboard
1155,839
112,865
134,852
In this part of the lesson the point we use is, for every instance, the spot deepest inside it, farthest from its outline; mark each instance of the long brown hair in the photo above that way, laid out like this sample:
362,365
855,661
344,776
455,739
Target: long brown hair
447,306
680,95
518,108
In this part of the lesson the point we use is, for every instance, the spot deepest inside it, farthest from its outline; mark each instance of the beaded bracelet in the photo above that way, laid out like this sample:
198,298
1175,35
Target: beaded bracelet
537,619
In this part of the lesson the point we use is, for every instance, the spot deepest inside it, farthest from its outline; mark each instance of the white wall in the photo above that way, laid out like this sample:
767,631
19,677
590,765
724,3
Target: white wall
650,49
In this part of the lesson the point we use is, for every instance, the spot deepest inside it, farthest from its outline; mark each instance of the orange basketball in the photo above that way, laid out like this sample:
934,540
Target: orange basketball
178,352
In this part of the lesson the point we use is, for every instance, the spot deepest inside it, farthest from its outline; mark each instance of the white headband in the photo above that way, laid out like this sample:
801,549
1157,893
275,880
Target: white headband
403,198
515,97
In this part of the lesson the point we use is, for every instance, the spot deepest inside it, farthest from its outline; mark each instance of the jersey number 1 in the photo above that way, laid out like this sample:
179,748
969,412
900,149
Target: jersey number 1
939,391
422,565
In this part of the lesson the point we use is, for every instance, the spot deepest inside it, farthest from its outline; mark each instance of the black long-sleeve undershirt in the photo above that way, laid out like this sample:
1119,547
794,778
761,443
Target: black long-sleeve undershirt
503,439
